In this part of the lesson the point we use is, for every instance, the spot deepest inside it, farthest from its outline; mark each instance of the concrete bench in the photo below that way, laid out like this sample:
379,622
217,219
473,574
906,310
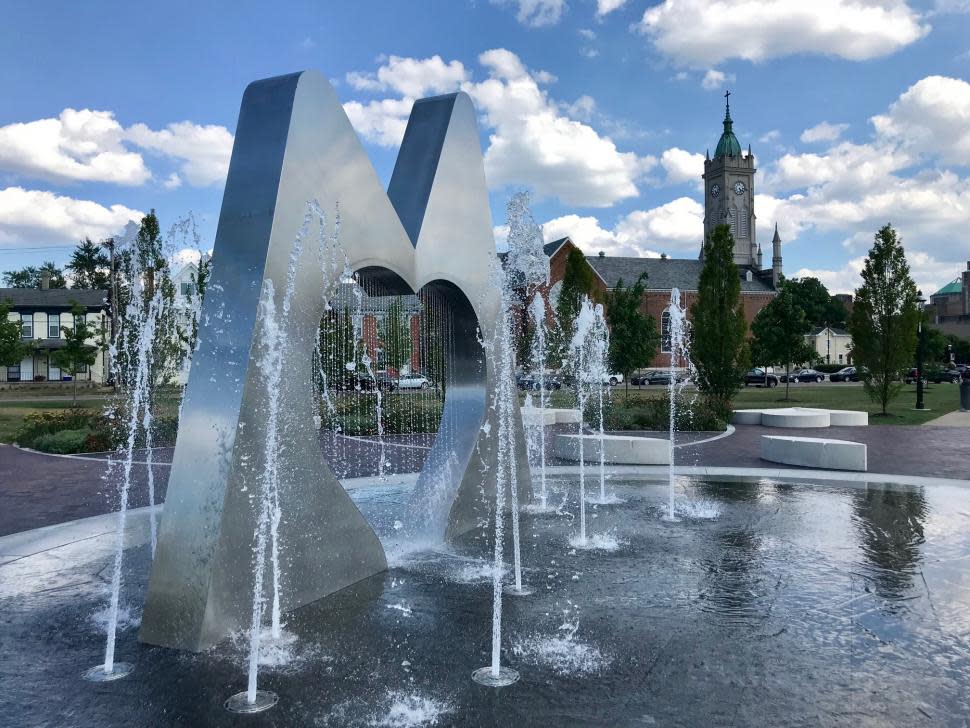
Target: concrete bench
843,418
814,452
617,449
537,416
746,417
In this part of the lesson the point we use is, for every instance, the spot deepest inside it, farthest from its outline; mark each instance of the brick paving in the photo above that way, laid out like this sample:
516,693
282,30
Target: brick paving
40,490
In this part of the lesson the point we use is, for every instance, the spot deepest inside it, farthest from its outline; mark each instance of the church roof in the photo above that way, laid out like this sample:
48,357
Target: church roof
662,273
954,286
728,145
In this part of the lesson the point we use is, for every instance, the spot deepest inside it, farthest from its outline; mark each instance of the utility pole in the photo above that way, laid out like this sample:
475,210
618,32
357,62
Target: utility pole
919,353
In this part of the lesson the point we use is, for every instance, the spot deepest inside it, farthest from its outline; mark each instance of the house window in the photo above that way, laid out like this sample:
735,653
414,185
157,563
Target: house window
840,358
665,332
82,369
186,289
53,326
78,321
13,373
26,326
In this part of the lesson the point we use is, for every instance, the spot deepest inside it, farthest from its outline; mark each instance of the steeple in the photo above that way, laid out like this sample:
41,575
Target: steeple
776,258
728,145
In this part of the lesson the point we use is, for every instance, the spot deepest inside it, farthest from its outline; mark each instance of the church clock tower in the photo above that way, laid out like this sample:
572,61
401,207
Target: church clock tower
729,193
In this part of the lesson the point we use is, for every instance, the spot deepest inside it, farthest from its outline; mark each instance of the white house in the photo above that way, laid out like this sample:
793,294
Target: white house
187,306
833,345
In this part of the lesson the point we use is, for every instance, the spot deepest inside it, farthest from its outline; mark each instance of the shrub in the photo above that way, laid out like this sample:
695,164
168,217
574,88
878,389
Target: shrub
694,413
63,441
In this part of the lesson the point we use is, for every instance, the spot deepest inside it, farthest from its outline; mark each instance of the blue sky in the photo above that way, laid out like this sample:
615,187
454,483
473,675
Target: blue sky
858,112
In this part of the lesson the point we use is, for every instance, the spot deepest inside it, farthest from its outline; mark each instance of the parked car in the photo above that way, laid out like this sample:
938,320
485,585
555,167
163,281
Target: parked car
845,374
411,381
533,382
803,375
938,375
760,377
663,377
910,377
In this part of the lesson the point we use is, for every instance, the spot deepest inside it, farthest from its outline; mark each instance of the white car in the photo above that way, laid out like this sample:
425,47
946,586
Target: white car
612,379
411,381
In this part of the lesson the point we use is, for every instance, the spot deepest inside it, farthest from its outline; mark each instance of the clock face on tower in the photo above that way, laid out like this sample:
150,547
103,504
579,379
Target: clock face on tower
739,188
715,190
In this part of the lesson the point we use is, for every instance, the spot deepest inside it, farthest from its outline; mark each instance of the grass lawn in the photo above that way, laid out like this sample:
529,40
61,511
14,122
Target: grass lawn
938,398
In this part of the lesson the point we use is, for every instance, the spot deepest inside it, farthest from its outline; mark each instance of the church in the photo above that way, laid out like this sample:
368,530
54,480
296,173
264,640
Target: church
728,200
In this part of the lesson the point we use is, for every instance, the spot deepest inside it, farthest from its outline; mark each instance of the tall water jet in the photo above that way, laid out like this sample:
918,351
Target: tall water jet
598,368
579,355
537,311
679,352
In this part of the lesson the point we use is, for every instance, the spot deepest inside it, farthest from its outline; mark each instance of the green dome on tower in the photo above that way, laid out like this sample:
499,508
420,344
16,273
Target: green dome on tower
727,145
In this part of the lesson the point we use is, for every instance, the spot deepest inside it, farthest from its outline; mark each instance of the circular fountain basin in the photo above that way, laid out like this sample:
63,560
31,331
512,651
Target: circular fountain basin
768,603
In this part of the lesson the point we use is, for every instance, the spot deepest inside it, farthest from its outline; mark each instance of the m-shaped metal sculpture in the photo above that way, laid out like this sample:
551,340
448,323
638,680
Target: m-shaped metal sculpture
431,230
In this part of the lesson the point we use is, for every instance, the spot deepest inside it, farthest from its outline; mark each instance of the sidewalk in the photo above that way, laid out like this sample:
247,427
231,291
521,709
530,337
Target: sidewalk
950,419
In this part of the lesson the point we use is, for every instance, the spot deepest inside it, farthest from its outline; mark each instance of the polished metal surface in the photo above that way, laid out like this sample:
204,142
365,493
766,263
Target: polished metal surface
432,229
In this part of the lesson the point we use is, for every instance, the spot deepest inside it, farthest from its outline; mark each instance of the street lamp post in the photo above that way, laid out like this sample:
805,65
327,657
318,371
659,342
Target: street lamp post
919,352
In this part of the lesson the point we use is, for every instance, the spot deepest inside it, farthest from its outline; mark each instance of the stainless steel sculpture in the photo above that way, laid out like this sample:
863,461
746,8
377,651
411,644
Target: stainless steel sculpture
432,228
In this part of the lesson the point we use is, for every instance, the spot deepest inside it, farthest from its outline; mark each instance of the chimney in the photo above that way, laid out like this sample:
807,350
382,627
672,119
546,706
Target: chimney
45,280
602,254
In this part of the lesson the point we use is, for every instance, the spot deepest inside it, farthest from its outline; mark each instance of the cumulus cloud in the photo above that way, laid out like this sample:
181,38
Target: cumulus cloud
682,166
823,132
536,13
91,146
715,79
202,151
77,146
534,140
676,226
41,217
929,273
605,7
931,117
412,77
693,32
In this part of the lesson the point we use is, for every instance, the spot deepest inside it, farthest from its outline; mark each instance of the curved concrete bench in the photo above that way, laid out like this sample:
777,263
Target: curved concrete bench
843,418
746,417
814,452
617,449
795,417
536,416
566,416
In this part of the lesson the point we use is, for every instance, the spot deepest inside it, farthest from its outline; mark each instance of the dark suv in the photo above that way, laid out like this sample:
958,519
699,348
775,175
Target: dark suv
760,377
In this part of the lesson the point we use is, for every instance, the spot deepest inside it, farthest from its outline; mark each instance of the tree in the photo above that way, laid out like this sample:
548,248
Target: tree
13,348
32,276
814,299
633,336
76,355
779,332
89,266
884,318
577,282
961,348
719,349
395,336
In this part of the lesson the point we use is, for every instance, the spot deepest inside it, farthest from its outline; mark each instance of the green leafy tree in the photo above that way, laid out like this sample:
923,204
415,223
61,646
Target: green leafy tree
719,349
395,336
13,348
32,276
77,354
577,281
960,347
779,332
633,335
814,299
89,266
884,318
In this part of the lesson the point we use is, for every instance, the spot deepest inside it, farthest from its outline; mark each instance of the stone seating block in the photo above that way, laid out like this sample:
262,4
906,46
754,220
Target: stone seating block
814,452
537,416
843,418
617,449
795,417
746,417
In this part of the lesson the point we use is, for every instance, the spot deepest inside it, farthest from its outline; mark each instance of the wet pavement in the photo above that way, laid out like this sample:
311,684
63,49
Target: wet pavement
768,604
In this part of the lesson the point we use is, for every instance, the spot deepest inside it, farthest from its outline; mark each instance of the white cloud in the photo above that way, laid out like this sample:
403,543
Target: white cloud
41,217
605,7
933,117
770,137
587,33
929,273
173,182
536,13
715,79
534,141
674,226
202,151
90,146
695,33
411,77
77,146
682,166
823,132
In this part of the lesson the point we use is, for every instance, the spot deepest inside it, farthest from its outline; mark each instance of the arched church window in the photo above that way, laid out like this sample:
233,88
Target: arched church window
745,217
665,332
